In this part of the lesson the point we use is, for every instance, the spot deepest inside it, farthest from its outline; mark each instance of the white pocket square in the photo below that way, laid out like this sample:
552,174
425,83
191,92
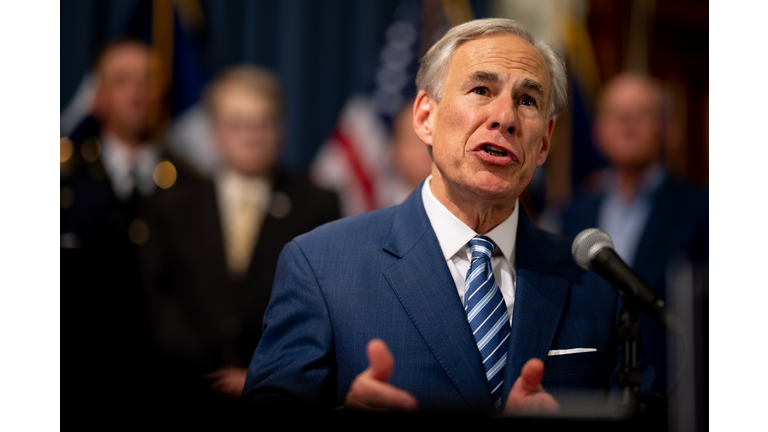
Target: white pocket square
570,351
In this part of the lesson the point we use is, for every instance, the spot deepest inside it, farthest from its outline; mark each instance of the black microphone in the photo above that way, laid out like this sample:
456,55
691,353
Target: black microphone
593,250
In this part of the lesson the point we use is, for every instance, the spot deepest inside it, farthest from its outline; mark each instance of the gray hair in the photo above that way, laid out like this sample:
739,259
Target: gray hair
434,65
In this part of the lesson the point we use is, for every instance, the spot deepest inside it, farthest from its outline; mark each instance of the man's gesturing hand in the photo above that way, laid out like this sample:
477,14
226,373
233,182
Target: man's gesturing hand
228,381
370,390
527,395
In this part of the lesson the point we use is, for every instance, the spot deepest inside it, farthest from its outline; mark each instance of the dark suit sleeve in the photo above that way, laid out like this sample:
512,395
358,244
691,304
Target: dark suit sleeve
154,255
294,364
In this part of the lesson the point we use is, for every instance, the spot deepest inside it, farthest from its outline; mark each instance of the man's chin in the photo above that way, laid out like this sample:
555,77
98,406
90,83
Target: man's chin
136,130
494,189
254,170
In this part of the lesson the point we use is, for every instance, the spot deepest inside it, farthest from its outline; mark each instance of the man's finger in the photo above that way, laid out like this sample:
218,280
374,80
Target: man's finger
527,395
370,389
380,360
532,374
214,374
367,393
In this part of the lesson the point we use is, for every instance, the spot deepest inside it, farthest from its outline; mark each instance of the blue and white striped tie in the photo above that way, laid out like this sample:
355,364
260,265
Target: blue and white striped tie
487,314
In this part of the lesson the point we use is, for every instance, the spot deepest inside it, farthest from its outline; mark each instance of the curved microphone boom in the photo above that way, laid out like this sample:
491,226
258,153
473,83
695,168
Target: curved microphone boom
593,251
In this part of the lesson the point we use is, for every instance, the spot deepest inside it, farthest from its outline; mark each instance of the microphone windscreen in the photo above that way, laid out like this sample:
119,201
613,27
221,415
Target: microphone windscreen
583,248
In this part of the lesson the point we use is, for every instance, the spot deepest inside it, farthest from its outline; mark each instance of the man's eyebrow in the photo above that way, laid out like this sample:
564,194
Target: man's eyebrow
484,77
534,86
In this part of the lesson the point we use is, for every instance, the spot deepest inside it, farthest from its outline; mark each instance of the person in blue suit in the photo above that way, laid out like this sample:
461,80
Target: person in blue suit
452,300
656,220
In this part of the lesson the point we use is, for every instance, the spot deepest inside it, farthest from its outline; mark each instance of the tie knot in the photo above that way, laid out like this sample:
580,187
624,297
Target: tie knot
482,246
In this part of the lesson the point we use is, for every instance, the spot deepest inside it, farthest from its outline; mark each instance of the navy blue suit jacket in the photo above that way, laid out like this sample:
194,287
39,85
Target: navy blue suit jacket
382,275
678,226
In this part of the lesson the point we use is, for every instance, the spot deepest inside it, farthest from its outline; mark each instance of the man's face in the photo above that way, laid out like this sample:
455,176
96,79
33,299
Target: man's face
490,130
125,95
628,126
246,129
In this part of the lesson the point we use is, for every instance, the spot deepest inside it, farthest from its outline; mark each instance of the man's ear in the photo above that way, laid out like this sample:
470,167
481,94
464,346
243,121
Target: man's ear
423,107
546,140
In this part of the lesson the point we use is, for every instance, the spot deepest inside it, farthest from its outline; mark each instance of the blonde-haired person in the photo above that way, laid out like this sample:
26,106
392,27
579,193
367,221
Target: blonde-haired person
211,259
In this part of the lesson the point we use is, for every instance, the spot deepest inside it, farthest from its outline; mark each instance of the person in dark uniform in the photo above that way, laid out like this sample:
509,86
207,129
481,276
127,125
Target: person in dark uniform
211,259
106,174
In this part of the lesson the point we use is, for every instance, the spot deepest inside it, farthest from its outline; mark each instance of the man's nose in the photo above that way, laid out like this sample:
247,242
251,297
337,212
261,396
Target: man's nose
503,117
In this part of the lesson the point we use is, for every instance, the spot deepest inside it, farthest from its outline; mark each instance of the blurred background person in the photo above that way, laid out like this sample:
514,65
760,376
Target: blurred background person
211,259
653,217
410,159
106,174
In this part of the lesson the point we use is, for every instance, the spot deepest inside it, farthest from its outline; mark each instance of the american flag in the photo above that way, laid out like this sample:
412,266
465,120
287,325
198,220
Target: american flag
354,160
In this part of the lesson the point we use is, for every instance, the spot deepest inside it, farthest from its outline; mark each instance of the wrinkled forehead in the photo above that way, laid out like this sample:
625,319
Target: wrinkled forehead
124,59
501,54
631,92
232,98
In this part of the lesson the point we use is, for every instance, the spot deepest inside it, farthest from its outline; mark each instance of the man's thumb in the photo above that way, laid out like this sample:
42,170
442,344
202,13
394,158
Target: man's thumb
531,375
380,360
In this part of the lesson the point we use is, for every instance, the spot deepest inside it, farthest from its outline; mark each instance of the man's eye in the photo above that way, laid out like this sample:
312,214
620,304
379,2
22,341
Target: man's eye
482,91
527,101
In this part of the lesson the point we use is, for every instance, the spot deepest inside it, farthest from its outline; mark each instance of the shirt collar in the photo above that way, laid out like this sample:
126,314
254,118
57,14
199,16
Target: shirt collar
652,178
120,160
234,186
453,234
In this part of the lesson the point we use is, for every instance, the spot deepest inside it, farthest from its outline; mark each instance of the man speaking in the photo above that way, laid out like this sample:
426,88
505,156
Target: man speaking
452,300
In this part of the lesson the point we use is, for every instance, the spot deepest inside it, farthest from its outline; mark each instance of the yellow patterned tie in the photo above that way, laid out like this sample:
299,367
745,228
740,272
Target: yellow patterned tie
241,235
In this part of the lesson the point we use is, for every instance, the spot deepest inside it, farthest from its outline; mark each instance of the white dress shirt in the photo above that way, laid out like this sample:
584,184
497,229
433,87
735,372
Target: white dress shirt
129,168
233,187
625,220
454,236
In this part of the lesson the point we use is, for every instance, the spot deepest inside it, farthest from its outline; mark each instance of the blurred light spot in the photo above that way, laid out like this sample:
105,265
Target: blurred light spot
66,148
138,232
164,174
230,327
91,149
70,240
67,197
281,205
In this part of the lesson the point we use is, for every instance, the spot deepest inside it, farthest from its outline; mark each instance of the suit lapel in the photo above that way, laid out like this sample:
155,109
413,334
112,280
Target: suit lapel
657,225
424,286
539,298
209,202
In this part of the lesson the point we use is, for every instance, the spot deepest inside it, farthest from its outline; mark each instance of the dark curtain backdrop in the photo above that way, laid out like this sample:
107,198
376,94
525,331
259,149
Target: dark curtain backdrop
323,50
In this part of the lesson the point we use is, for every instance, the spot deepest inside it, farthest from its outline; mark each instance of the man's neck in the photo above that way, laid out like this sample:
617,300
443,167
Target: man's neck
132,140
478,214
629,179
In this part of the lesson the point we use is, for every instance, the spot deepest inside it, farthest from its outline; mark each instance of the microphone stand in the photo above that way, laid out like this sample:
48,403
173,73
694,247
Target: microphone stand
629,376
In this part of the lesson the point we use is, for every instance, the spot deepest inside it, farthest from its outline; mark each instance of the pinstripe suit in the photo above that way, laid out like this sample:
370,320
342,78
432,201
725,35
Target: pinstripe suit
382,275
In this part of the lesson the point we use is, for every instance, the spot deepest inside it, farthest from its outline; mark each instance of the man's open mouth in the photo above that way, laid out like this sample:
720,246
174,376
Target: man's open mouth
494,151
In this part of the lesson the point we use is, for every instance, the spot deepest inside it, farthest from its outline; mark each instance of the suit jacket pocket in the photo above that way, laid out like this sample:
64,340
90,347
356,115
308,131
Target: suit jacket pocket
585,370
